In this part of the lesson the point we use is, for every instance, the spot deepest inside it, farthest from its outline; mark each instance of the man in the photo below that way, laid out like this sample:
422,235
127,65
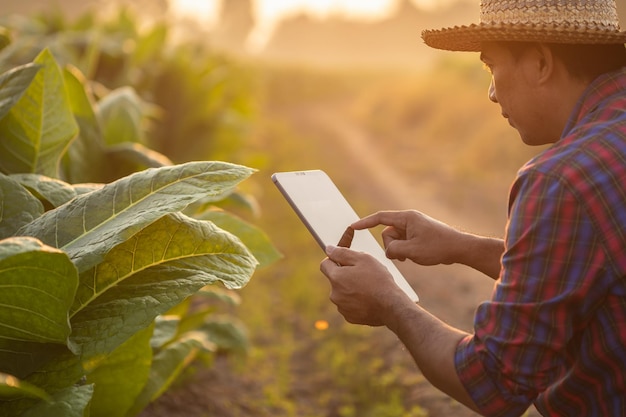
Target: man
554,331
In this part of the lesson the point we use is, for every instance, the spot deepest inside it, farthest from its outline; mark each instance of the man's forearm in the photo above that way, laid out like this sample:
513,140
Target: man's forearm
432,344
481,253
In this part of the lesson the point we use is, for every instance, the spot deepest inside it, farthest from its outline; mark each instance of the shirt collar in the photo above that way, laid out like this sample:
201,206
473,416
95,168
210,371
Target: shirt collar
604,87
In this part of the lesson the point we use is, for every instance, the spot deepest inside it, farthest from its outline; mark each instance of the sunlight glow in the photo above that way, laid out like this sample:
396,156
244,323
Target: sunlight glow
202,10
324,8
269,12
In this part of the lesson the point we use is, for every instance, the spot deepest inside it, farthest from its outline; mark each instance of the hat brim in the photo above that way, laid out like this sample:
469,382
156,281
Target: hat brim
470,38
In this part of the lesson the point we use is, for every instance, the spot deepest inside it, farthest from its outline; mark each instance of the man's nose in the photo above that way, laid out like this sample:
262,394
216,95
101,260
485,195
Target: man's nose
492,92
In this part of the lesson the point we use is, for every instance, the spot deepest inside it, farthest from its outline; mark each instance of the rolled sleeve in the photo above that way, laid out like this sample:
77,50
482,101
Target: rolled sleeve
491,398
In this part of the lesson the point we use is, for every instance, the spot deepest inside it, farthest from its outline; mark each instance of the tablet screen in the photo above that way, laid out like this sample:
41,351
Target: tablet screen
326,213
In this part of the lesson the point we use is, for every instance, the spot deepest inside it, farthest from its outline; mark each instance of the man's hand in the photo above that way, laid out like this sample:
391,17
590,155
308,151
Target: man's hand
361,287
413,235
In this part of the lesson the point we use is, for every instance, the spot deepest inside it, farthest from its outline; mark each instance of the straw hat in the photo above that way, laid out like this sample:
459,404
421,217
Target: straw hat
590,22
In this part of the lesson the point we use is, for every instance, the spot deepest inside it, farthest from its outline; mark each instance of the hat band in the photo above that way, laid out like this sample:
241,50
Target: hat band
605,19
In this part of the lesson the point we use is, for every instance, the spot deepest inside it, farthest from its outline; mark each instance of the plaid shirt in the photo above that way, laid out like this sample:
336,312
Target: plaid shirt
554,331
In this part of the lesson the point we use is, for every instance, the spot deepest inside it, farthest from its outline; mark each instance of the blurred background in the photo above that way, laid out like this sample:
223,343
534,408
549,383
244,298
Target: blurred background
343,86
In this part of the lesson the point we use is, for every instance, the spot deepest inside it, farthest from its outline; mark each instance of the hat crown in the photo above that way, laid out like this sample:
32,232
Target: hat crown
593,14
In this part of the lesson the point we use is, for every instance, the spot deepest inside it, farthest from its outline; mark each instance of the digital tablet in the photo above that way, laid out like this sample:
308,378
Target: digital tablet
327,214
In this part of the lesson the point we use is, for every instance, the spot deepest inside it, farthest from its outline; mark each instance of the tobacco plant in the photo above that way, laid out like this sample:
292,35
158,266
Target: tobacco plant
97,277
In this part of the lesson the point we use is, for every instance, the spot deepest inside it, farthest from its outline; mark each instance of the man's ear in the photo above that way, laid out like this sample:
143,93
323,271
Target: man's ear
544,62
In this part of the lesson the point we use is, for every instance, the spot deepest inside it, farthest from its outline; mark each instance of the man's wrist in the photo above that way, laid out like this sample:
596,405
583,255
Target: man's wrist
480,252
399,311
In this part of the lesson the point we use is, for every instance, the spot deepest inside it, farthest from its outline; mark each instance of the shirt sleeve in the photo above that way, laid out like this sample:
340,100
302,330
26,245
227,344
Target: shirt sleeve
522,336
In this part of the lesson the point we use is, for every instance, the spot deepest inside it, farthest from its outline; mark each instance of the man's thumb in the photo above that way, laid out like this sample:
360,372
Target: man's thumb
339,255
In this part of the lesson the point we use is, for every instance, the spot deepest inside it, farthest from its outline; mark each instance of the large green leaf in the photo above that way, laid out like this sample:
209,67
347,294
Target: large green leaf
120,378
70,402
38,286
50,190
91,224
13,84
18,207
150,273
40,126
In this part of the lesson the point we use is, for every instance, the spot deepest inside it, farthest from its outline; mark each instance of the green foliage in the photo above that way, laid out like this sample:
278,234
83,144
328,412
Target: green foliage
40,125
39,284
89,271
200,102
